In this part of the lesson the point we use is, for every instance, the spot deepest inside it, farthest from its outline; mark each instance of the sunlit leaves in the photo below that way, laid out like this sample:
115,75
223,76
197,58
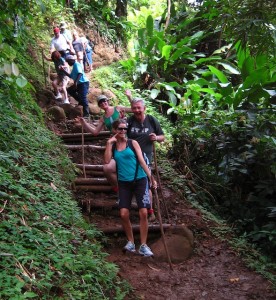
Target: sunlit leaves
21,81
222,78
15,69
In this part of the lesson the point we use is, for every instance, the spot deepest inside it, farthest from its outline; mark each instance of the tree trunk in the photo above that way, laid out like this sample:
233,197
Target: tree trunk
121,8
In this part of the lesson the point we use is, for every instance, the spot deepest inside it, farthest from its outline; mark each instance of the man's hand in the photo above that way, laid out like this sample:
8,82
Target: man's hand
153,137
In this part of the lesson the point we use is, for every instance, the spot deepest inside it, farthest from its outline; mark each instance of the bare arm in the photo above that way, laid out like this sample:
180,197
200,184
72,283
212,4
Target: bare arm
124,109
129,95
90,127
108,149
47,58
157,138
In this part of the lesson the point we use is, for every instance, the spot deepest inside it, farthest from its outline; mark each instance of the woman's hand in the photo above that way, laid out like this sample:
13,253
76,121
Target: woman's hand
112,140
153,183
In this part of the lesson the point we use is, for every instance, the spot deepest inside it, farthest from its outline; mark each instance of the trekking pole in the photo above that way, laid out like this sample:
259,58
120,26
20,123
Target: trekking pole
43,65
82,144
159,182
161,227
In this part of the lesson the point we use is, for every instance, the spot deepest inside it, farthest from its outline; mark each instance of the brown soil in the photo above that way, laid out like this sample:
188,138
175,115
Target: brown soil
212,271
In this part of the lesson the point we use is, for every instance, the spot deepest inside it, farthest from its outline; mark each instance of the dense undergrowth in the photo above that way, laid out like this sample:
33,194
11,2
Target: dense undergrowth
224,152
47,250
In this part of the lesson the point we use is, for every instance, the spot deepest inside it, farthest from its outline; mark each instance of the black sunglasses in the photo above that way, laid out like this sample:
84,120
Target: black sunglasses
122,128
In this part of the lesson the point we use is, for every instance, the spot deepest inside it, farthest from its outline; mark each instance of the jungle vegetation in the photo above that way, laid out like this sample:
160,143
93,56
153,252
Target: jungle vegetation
209,68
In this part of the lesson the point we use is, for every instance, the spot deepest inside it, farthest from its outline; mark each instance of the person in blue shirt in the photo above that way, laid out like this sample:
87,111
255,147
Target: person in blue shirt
80,88
134,178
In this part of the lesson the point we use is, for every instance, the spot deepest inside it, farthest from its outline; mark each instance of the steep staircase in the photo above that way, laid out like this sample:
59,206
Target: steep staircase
91,188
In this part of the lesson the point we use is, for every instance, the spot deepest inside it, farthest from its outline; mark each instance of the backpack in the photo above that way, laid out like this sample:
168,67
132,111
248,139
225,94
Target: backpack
130,145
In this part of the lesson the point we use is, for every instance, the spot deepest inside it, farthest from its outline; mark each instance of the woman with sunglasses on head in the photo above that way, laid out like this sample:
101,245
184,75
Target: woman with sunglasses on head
134,178
111,114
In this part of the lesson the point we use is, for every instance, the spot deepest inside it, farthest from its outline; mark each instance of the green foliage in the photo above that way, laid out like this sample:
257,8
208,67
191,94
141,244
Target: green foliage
235,152
47,251
44,240
101,17
250,22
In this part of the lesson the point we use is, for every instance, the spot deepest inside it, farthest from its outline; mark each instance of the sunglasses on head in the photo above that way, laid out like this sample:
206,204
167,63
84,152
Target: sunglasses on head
122,128
102,101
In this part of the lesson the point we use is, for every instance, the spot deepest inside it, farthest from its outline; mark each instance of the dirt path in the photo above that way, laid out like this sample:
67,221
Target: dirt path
212,271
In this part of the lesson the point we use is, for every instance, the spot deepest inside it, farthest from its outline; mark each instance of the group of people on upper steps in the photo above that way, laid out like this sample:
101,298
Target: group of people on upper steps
70,50
128,154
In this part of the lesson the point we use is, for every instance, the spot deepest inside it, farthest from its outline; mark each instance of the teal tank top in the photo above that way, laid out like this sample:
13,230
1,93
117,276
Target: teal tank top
126,165
108,121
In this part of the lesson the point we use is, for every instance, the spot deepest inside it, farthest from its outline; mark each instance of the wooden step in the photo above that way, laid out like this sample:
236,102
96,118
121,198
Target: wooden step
90,167
79,147
77,137
135,228
91,181
93,188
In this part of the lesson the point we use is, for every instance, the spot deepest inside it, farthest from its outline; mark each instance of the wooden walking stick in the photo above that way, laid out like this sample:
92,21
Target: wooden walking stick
82,144
159,182
161,227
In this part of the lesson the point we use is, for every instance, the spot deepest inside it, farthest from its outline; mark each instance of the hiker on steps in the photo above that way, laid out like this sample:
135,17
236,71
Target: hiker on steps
61,44
111,114
134,178
61,77
146,130
78,46
80,88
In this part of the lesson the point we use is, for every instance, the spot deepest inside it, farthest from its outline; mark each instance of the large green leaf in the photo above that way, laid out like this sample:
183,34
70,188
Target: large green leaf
256,77
166,50
150,25
172,97
222,78
179,53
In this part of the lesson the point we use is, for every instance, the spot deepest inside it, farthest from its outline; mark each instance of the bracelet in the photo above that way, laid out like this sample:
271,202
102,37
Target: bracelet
150,211
157,138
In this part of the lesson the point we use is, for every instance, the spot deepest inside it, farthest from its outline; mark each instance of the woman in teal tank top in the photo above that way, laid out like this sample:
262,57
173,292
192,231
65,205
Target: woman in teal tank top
111,114
134,179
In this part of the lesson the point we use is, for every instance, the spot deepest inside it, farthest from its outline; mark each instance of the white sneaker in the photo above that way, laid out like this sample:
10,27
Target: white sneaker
66,101
58,96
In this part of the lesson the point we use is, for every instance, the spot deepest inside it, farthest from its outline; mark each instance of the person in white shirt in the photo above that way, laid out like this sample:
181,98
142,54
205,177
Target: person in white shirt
61,44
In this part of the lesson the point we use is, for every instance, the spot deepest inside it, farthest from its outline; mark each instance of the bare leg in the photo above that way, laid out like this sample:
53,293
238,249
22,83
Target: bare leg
124,214
55,85
64,85
143,214
110,172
